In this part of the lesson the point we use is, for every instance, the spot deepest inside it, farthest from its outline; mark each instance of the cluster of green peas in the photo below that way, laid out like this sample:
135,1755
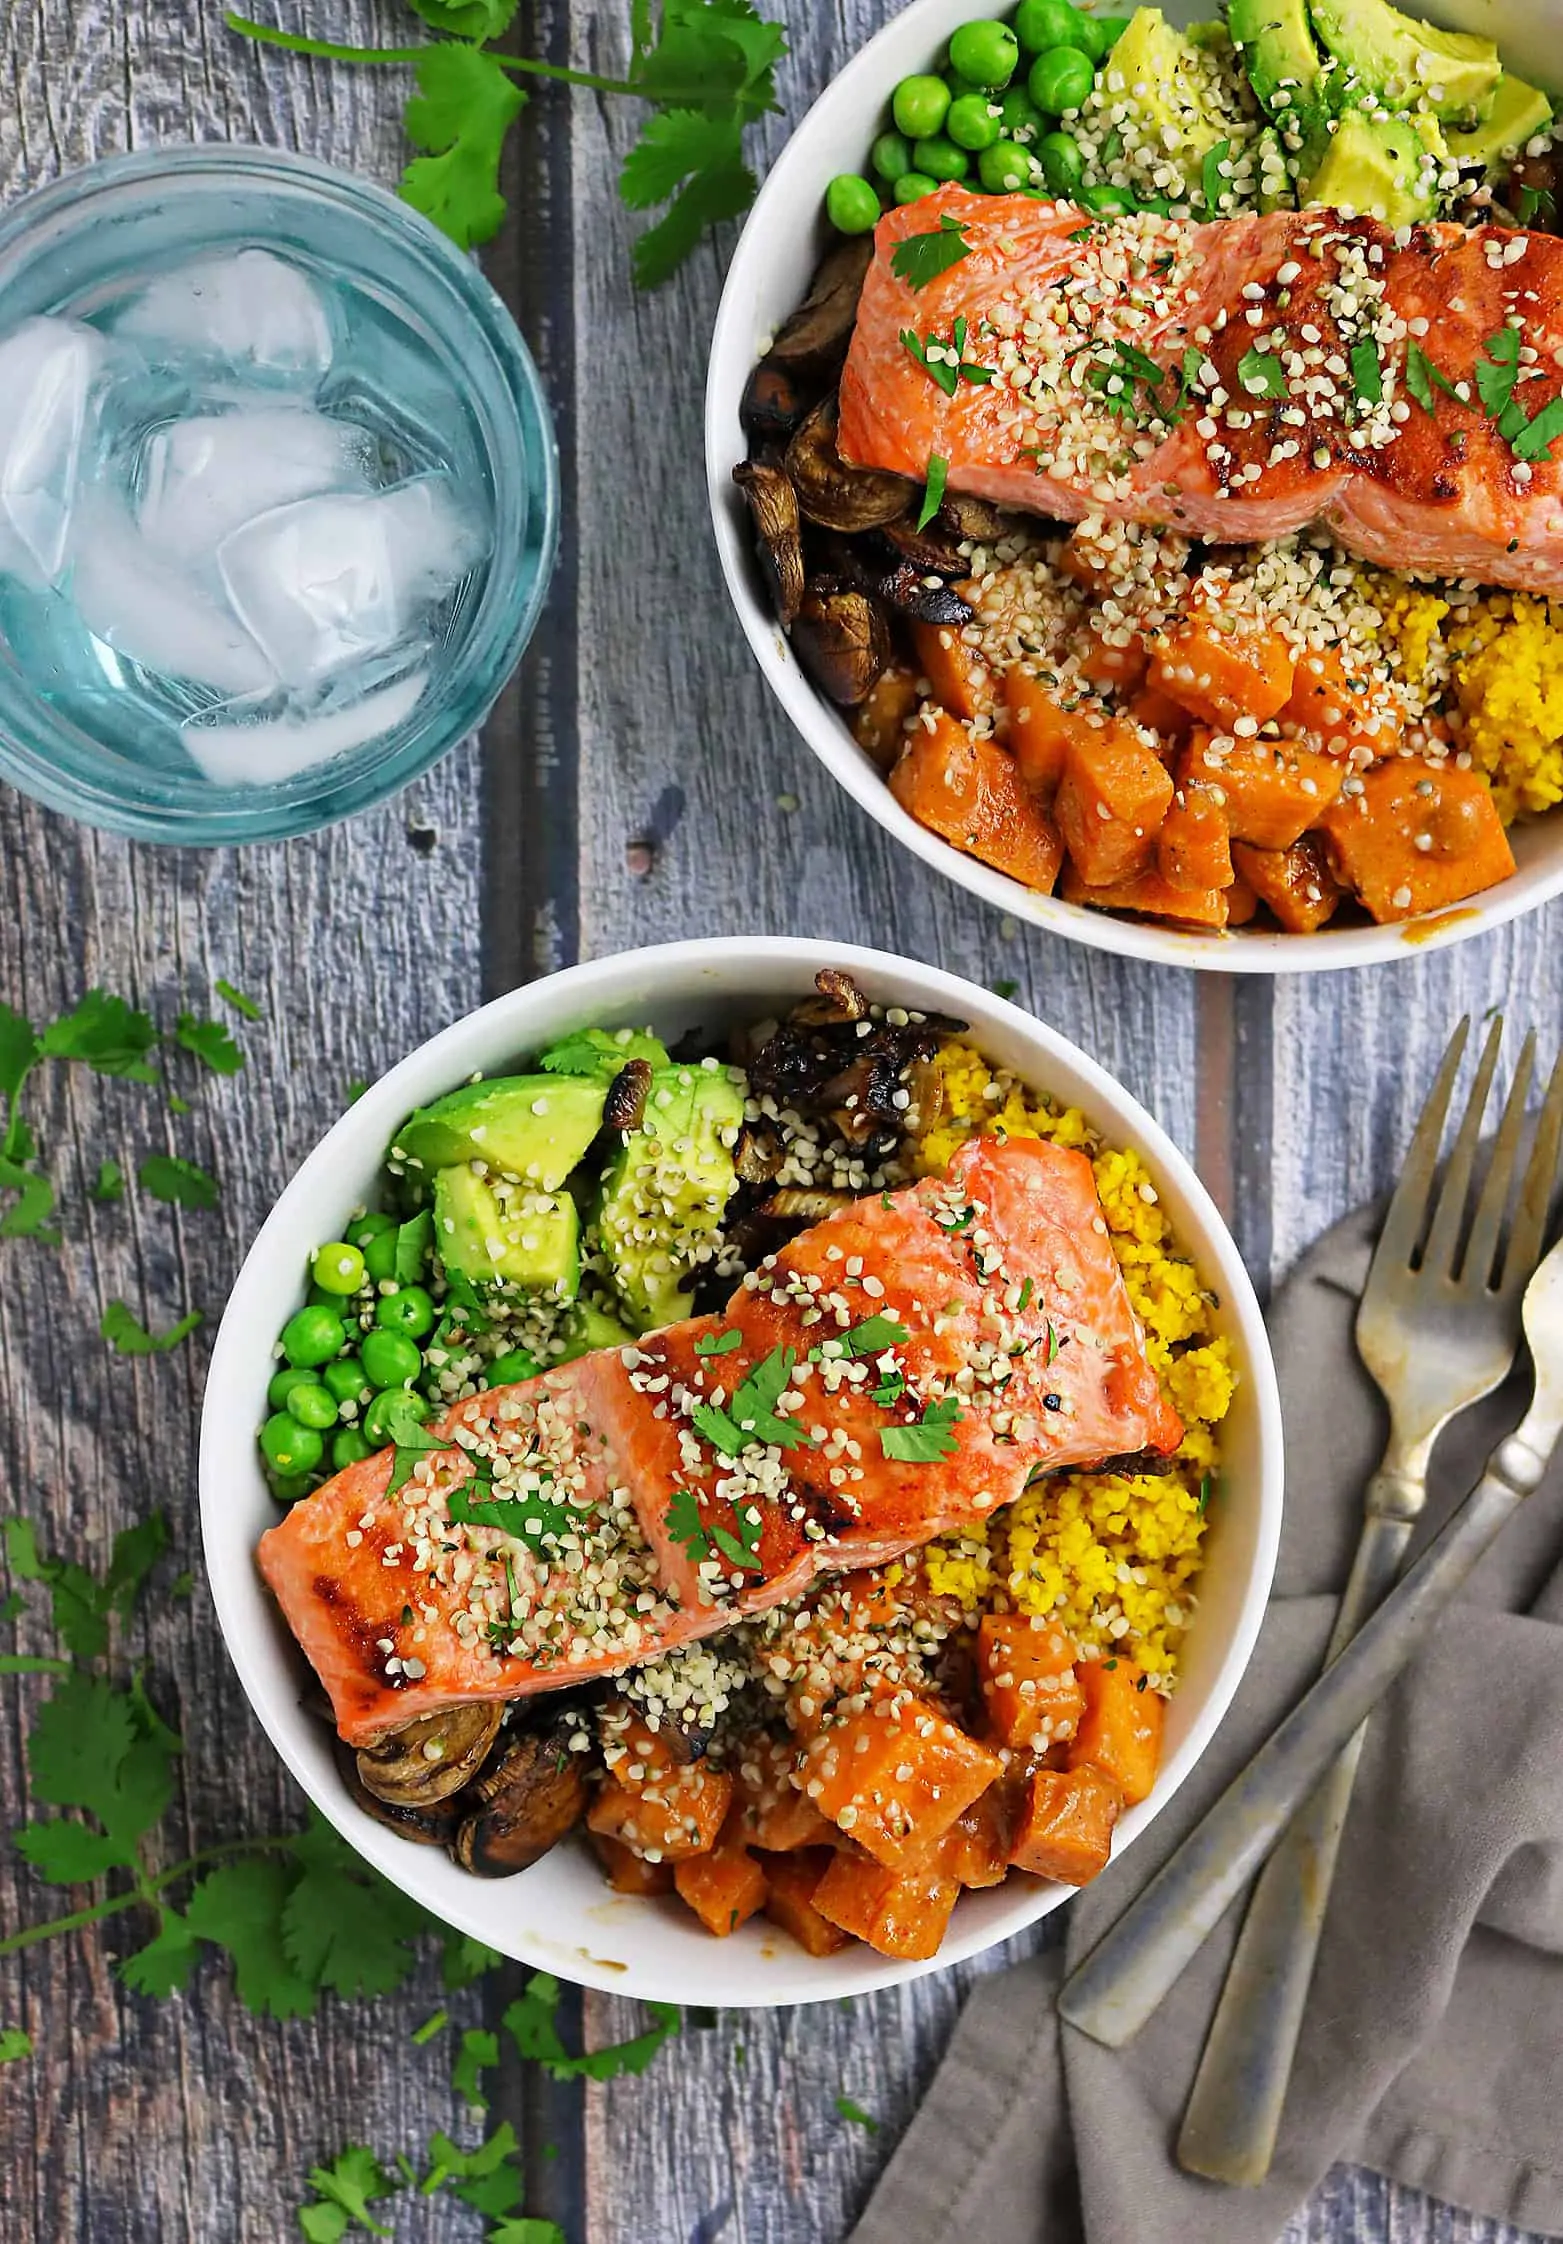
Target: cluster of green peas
343,1388
985,108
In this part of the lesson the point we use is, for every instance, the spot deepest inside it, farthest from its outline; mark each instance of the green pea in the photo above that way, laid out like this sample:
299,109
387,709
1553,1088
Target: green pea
1109,200
1040,24
940,159
313,1335
1005,167
984,54
287,1488
349,1448
1019,117
892,155
383,1412
1061,79
1091,38
913,185
283,1384
313,1405
972,123
919,106
1063,166
380,1256
346,1380
514,1364
366,1227
391,1359
408,1310
851,204
338,1267
290,1447
1112,29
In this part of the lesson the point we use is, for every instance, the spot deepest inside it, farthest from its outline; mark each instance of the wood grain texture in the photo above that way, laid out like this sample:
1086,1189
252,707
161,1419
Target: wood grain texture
638,785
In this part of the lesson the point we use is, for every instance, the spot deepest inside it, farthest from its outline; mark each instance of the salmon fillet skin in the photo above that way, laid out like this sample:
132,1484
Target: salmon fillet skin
1235,380
900,1370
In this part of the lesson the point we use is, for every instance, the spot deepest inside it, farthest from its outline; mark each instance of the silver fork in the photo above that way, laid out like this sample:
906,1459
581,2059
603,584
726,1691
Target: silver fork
1439,1328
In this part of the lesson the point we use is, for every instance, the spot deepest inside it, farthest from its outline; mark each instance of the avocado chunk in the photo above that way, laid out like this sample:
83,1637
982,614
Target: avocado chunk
1284,66
530,1239
1173,85
534,1127
1380,166
603,1052
588,1327
1518,112
1408,65
665,1190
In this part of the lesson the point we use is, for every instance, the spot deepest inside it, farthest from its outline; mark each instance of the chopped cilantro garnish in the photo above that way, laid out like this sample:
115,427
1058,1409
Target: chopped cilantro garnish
927,1441
1536,439
181,1183
1204,1491
1212,184
945,363
109,1183
210,1043
873,1336
718,1343
938,476
921,258
1262,374
891,1388
124,1331
1026,1290
237,999
1053,1343
751,1416
1495,374
530,1519
854,2112
1367,372
1005,987
686,1527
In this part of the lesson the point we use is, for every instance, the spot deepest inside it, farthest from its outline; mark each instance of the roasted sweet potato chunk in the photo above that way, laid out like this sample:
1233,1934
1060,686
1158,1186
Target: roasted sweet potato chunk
975,1849
1026,1668
1270,790
958,678
724,1887
629,1872
1296,883
1417,836
1160,714
879,720
895,1778
668,1821
776,1814
791,1882
1043,725
1110,802
1335,707
1109,667
1154,897
1221,666
901,1913
1194,846
1120,1730
969,791
1066,1824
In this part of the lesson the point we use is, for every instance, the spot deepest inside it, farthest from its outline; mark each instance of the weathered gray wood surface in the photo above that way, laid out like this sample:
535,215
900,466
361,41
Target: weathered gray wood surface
633,789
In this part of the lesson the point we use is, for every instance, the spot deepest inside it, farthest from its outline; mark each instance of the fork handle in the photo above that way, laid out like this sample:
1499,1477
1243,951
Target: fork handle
1234,2110
1115,1990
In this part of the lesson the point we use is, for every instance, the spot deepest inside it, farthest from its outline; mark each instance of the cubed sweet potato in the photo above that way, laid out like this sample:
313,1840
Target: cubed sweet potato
1044,723
1416,837
629,1872
1242,903
668,1821
975,1849
776,1814
1066,1824
1222,665
1337,708
1270,790
895,1777
791,1882
1160,714
1120,1730
635,1754
1026,1668
901,1913
723,1887
1194,846
969,791
1296,883
1110,802
958,678
1152,896
879,720
1109,667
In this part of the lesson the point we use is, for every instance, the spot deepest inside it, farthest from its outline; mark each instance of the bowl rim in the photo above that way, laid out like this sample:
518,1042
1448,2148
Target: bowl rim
788,191
212,815
541,1008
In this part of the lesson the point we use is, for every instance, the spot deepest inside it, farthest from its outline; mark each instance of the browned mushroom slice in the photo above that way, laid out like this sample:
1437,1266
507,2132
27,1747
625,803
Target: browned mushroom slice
798,1206
775,400
522,1804
773,508
839,999
927,551
829,491
925,599
843,642
431,1758
427,1823
625,1106
817,335
979,520
758,1155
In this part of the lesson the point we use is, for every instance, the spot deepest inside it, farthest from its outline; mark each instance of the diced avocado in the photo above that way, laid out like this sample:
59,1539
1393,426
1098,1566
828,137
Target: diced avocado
1405,64
603,1052
535,1127
530,1238
1518,112
665,1190
1174,88
586,1327
1284,66
1377,166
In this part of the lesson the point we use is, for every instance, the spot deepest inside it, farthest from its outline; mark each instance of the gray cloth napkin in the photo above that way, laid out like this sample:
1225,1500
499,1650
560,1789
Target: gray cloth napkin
1433,2046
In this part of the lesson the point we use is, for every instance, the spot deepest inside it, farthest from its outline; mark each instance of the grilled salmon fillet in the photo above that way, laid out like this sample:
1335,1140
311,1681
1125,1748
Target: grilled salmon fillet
901,1369
1235,380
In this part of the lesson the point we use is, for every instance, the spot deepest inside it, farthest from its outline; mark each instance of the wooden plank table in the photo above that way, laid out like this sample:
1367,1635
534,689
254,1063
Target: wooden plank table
636,785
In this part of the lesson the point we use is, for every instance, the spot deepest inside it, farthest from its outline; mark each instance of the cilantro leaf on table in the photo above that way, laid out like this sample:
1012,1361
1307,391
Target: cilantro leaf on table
465,1960
478,2053
209,1042
849,2109
109,1183
237,999
123,1330
164,1965
921,258
710,192
532,2025
91,1748
466,19
465,106
344,2192
488,2178
180,1183
105,1034
343,1926
29,1217
14,2043
238,1908
20,1052
528,2230
70,1854
926,1441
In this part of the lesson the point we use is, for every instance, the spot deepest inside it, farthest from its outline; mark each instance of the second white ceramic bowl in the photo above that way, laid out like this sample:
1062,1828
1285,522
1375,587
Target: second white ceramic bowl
559,1915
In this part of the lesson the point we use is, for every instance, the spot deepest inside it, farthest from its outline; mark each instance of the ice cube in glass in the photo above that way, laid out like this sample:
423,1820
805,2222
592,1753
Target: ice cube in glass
48,371
207,475
249,308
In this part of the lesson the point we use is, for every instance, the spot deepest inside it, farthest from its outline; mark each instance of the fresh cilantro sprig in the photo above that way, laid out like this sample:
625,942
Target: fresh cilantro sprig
750,1417
687,1528
706,68
946,363
1262,374
921,258
937,477
927,1440
1529,436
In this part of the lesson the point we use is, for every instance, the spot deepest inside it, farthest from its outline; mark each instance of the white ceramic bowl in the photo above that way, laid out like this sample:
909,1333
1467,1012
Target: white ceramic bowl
559,1915
780,247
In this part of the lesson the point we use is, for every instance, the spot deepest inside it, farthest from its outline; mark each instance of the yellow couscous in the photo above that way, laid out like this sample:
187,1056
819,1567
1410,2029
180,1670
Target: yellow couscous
1111,1557
1496,659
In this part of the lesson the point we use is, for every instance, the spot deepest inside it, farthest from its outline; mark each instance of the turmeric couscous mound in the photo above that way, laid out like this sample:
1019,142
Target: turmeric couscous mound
1110,1556
1497,657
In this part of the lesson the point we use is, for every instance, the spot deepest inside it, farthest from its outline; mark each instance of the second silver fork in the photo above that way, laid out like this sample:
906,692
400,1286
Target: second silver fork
1438,1327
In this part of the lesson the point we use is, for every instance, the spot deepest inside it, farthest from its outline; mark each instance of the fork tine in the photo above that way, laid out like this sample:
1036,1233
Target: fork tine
1443,1241
1482,1246
1407,1209
1536,1193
